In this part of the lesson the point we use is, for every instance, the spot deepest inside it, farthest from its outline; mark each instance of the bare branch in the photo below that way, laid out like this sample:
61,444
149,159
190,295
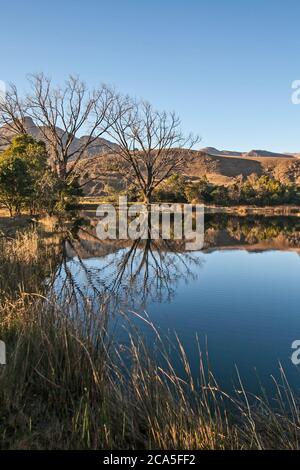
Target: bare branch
151,145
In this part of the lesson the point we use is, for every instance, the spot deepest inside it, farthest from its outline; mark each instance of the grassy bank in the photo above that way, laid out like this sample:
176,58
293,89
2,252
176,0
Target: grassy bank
70,385
91,204
280,210
65,389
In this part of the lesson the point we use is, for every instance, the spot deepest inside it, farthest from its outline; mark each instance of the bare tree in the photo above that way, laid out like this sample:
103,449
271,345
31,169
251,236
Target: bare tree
61,114
12,115
151,145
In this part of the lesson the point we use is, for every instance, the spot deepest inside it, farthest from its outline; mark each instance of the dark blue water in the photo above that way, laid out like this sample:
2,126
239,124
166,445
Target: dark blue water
240,295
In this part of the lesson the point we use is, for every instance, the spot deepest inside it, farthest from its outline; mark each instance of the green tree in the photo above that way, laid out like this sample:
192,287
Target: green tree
15,182
172,189
199,191
22,167
219,195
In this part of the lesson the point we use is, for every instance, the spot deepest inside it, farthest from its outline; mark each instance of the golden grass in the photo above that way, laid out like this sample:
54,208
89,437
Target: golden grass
23,247
49,222
66,387
25,261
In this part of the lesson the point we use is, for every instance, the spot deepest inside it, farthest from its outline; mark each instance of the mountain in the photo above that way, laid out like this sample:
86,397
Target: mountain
220,169
220,166
99,147
265,153
252,153
214,151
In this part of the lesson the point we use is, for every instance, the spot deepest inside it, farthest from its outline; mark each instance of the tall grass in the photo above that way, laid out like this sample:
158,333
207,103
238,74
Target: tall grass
64,386
68,384
25,262
22,248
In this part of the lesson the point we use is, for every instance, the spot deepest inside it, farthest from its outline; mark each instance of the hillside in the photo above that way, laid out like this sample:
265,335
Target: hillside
221,167
99,146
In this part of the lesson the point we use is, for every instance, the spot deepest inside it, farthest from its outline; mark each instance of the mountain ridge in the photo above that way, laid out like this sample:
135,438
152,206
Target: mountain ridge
102,145
221,167
252,153
99,147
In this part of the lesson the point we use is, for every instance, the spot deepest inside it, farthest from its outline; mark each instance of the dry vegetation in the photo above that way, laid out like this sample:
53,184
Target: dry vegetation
219,169
69,385
65,389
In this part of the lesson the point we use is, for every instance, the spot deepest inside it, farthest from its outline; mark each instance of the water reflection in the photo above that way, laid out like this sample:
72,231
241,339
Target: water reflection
79,265
124,273
252,233
241,291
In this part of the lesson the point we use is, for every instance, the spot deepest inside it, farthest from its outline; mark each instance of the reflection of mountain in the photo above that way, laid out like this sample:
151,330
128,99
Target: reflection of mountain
87,245
256,233
221,240
130,273
120,273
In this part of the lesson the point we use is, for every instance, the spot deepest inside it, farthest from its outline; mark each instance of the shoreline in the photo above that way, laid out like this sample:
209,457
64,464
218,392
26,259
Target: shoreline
244,210
283,210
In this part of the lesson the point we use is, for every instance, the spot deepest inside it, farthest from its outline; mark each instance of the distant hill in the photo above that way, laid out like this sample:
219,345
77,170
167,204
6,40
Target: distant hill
221,169
214,151
265,153
99,147
252,153
219,166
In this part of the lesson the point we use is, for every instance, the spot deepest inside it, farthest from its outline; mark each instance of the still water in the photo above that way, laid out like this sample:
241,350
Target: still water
239,295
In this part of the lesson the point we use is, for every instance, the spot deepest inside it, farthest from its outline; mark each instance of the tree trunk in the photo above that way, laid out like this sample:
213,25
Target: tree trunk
61,171
148,197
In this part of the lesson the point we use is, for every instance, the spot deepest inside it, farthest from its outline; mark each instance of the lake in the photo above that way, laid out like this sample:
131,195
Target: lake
239,295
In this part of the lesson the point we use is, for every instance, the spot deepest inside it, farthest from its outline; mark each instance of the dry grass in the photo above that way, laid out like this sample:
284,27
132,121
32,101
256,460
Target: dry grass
22,248
49,223
68,387
25,262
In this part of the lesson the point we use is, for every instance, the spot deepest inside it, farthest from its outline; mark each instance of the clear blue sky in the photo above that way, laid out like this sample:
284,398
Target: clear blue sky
226,67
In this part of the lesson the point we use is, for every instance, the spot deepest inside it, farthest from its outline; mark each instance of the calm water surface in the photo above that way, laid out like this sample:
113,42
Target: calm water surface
240,295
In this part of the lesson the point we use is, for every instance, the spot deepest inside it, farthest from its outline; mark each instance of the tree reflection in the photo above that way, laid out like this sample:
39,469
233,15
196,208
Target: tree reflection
73,265
126,274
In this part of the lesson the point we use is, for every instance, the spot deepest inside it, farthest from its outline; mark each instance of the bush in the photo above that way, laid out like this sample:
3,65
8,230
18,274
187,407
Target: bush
171,190
255,190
